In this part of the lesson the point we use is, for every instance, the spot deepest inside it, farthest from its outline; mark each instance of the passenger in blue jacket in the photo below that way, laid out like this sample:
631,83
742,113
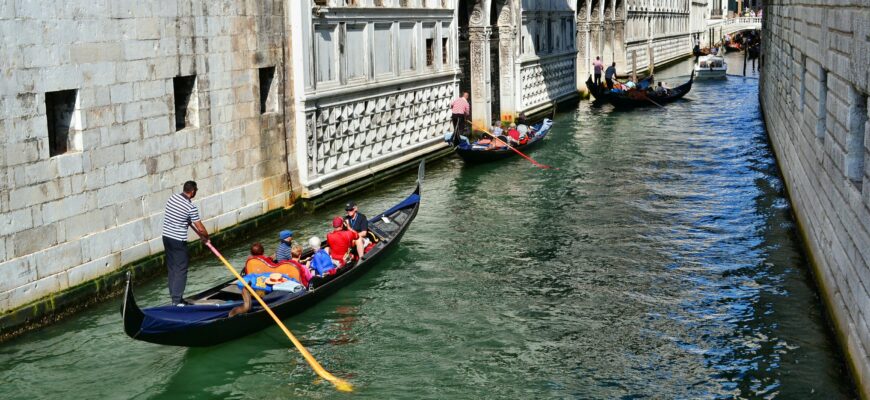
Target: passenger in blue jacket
321,263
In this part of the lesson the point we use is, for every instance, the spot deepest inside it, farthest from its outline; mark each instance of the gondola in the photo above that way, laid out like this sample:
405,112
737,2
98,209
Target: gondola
639,97
472,153
206,321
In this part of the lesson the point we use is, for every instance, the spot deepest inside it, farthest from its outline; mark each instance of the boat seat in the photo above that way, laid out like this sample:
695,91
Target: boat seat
232,289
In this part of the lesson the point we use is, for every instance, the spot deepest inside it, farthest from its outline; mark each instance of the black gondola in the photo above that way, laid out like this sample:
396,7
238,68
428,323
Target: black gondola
205,323
472,153
639,97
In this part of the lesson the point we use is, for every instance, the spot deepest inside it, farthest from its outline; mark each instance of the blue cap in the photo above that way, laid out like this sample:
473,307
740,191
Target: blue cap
285,234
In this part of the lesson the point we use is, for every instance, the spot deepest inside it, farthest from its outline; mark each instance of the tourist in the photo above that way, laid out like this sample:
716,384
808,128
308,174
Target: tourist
340,240
461,110
514,134
597,66
296,261
285,242
609,74
180,213
660,90
357,222
321,263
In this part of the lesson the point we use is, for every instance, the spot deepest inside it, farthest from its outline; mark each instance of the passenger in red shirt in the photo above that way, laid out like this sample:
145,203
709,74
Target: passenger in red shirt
514,134
340,240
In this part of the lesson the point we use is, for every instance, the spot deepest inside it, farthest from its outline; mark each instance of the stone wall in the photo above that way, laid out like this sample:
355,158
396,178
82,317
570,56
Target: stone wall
83,205
815,84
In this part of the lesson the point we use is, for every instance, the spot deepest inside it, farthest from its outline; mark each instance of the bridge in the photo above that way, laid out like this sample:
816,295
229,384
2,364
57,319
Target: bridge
734,25
718,28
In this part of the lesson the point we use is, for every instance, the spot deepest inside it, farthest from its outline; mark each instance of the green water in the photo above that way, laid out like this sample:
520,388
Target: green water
659,261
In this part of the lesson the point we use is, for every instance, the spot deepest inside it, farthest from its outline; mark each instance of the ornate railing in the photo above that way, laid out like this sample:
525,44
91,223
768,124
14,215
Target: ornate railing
743,21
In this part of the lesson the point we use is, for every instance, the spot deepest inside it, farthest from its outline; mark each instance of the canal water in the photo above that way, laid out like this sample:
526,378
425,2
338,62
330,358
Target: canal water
659,261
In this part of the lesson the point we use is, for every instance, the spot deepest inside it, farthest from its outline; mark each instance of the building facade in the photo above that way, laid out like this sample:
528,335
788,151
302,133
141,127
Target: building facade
109,107
635,33
815,84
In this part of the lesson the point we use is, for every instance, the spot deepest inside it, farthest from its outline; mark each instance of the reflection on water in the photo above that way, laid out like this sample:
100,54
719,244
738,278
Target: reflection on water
658,261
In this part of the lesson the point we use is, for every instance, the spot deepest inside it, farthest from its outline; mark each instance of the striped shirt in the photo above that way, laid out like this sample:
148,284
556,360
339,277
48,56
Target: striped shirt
180,212
283,253
460,106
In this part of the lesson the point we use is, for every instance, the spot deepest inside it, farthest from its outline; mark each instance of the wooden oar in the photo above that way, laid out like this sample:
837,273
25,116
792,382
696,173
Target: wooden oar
537,164
339,383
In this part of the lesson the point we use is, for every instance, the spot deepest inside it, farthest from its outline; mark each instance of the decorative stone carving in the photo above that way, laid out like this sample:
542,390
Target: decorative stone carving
542,83
346,134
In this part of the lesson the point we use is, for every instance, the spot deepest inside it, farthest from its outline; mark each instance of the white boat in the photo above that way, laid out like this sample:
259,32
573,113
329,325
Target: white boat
710,67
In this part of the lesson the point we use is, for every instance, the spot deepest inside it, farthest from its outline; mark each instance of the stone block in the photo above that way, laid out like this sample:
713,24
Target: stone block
157,126
128,210
135,253
88,223
68,164
33,291
107,156
125,172
34,239
148,28
57,259
22,152
98,74
93,269
253,210
140,49
128,235
15,221
7,9
64,208
121,93
89,53
16,272
150,89
96,246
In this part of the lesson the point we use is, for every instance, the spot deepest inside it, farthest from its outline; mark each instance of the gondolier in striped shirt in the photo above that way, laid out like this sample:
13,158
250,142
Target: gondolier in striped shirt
180,214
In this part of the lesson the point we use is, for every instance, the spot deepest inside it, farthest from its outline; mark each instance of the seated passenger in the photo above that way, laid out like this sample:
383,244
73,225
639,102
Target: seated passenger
321,263
358,223
660,90
285,242
514,134
258,263
296,261
523,129
340,240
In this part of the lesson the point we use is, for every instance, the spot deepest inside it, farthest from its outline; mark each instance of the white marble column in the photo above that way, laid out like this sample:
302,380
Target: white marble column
507,97
584,59
481,83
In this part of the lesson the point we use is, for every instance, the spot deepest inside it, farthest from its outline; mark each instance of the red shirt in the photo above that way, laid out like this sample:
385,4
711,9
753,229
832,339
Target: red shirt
339,243
514,134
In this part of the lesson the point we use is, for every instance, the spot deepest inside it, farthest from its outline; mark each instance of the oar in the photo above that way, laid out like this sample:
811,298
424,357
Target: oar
340,384
537,164
652,101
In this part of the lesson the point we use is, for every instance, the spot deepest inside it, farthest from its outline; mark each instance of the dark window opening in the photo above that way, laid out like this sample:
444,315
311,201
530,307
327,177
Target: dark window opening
183,90
59,110
821,124
855,144
444,54
267,95
430,52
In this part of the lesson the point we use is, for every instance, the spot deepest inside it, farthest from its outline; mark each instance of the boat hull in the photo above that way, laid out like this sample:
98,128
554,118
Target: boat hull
484,156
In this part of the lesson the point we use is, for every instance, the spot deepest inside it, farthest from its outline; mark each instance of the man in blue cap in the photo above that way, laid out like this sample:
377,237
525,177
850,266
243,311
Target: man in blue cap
285,242
357,222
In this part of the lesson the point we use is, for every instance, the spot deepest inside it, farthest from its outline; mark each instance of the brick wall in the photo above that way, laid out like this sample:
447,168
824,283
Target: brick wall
69,218
815,83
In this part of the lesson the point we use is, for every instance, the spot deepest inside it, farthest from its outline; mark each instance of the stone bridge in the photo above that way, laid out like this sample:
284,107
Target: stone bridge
734,25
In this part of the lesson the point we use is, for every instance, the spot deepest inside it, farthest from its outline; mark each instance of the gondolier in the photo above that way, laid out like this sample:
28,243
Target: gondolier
180,213
460,110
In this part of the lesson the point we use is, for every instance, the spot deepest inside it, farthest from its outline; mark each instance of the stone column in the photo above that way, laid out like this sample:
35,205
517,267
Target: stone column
595,41
619,44
584,59
607,33
481,83
507,70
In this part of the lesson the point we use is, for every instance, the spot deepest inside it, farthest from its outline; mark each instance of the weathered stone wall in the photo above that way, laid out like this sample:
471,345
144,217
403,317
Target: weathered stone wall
815,84
69,218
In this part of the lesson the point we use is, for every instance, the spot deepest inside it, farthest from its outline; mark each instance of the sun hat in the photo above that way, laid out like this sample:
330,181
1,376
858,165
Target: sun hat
285,234
275,278
337,222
